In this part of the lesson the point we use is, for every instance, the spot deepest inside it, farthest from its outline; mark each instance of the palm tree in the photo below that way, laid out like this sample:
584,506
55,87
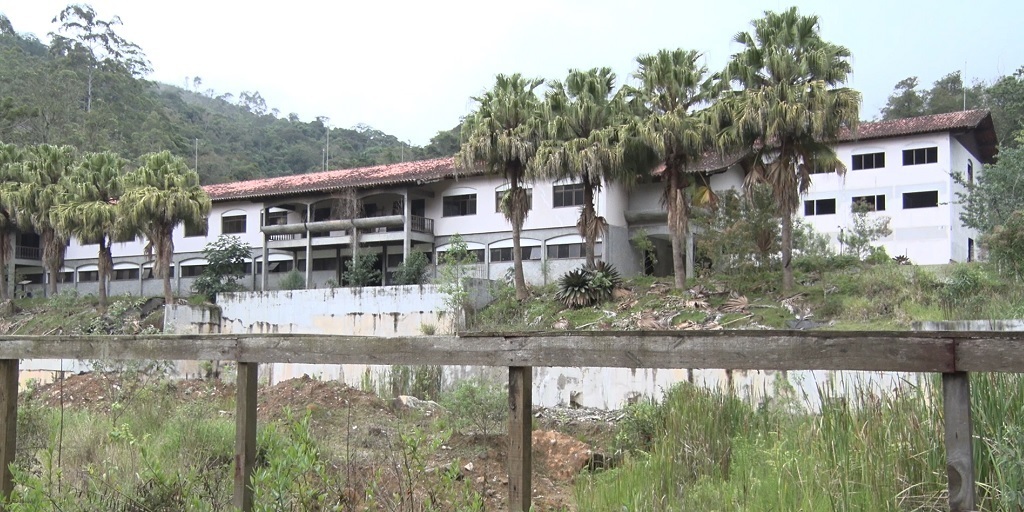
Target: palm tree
673,87
10,163
789,109
158,196
89,209
584,117
38,194
502,137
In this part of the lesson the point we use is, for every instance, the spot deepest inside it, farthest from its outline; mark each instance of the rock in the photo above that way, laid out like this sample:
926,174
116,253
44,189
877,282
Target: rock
411,403
562,455
468,468
802,324
8,308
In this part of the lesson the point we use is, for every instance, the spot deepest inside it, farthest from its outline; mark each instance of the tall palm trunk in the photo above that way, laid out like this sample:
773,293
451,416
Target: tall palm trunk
516,213
589,222
678,220
53,257
787,250
104,267
6,243
163,245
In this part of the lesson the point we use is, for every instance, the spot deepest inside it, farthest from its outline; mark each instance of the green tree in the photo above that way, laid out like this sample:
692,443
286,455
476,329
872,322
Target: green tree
995,193
584,117
11,157
673,88
91,43
88,210
225,265
790,109
40,191
865,230
905,101
413,269
1005,98
502,137
453,270
362,270
160,195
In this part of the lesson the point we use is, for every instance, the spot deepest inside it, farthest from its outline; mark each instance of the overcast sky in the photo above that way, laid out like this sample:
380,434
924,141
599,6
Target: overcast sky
408,68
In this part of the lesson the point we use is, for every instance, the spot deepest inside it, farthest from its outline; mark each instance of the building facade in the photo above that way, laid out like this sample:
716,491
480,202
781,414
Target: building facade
314,223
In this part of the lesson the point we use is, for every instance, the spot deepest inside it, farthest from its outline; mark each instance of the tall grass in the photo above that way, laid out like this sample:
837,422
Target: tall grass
863,450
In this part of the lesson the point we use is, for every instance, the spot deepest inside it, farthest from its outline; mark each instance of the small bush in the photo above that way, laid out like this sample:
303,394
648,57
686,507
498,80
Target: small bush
293,280
585,286
477,406
362,271
412,270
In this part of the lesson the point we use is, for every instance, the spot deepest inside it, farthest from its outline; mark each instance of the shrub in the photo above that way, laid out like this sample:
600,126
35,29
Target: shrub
412,270
293,280
477,405
225,258
585,286
362,271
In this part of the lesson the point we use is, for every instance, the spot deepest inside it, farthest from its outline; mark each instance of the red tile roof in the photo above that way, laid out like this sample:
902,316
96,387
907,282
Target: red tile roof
406,172
965,120
978,121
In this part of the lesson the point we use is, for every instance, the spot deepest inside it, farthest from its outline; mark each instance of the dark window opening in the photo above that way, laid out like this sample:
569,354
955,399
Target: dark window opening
873,203
199,230
88,276
928,199
920,156
477,254
325,264
125,274
505,254
567,195
192,270
563,251
457,206
149,273
231,224
820,207
970,171
500,194
869,161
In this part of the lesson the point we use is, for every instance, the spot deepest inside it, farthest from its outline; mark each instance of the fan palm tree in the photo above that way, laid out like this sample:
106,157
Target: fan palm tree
584,120
38,193
502,137
789,108
89,210
10,163
673,89
158,196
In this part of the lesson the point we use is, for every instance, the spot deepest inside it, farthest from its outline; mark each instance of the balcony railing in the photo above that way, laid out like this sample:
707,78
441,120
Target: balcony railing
27,253
422,225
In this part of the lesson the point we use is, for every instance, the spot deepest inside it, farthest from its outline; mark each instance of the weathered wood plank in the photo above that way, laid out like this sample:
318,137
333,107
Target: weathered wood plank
8,424
245,434
956,404
161,347
989,355
520,438
749,350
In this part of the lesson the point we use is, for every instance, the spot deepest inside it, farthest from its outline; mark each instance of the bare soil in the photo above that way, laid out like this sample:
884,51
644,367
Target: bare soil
364,430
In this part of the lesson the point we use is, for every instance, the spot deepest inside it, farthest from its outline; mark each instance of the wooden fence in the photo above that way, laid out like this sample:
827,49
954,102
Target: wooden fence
951,353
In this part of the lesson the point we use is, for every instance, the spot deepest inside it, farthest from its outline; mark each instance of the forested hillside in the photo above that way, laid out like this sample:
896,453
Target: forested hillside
87,88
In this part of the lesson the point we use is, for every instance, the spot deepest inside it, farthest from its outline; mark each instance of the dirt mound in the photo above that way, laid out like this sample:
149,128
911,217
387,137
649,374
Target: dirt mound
308,394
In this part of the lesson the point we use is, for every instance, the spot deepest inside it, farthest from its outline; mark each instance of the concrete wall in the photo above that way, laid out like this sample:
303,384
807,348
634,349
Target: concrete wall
372,311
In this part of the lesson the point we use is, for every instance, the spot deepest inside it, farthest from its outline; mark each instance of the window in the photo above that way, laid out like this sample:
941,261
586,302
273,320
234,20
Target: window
66,277
505,254
928,199
88,276
275,267
126,274
874,203
566,251
568,195
499,194
325,264
920,156
149,273
868,161
276,218
231,224
970,171
192,270
457,206
201,230
478,254
820,207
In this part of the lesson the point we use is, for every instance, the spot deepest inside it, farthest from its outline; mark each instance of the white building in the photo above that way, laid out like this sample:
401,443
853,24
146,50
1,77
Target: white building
902,167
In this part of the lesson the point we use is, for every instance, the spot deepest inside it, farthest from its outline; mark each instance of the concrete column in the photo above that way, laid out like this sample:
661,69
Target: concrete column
407,242
309,249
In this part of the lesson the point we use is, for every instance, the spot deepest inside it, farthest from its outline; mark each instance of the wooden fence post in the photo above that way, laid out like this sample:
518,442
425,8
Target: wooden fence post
520,438
956,404
8,424
245,434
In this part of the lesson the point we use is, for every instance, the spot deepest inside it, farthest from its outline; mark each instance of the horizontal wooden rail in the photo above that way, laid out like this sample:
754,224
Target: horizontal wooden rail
940,351
952,353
